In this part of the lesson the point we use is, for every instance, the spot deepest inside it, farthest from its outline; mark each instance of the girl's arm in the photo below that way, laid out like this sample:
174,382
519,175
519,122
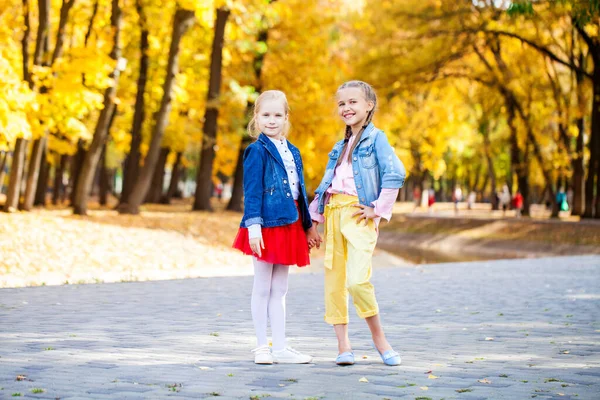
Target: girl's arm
393,172
253,186
384,205
313,208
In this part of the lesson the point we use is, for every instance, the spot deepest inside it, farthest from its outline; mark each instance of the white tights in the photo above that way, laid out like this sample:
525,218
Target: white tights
268,301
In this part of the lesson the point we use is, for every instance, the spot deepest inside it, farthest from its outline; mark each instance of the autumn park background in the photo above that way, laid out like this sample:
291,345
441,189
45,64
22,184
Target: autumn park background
122,123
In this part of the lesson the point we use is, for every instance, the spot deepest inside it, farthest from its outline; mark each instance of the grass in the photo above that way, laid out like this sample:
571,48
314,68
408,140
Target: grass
37,390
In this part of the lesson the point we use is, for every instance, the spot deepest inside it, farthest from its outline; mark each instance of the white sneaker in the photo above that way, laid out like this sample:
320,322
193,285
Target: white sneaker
262,355
290,356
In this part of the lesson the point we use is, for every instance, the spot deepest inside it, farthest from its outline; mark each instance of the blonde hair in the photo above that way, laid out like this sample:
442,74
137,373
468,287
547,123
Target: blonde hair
252,128
371,97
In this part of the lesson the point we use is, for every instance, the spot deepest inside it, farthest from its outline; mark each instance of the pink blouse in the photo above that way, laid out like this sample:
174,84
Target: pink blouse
343,182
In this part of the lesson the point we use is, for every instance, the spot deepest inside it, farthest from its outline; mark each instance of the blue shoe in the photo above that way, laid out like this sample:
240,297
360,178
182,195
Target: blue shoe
390,357
346,358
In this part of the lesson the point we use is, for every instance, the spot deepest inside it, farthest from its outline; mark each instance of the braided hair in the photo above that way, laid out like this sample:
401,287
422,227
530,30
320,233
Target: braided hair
370,96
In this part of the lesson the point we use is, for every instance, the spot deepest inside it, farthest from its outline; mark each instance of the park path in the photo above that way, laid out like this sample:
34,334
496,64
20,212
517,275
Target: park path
508,329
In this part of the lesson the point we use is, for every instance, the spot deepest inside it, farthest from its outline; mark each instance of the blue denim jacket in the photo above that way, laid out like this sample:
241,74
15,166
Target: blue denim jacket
268,197
375,166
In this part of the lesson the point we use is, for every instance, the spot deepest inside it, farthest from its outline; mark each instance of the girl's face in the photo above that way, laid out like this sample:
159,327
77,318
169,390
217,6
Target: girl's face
271,118
352,106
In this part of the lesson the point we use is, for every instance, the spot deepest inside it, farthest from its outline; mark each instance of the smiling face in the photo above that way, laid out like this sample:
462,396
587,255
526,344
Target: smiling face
353,107
272,117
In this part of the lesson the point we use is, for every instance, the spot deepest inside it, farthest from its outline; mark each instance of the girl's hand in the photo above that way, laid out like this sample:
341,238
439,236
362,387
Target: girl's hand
365,213
256,244
314,239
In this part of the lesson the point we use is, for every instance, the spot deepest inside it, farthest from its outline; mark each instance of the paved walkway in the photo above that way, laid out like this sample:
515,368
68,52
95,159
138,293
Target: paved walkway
515,329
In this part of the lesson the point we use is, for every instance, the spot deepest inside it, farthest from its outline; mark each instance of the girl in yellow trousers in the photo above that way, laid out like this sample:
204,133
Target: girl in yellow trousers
359,187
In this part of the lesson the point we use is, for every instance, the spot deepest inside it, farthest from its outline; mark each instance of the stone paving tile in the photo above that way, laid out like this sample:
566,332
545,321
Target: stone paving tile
515,329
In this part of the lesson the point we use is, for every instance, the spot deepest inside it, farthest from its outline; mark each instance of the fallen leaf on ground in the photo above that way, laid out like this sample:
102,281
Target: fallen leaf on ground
489,339
424,388
431,376
487,381
363,379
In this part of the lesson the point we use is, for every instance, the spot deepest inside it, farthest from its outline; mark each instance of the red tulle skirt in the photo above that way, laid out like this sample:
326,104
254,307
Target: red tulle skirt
286,245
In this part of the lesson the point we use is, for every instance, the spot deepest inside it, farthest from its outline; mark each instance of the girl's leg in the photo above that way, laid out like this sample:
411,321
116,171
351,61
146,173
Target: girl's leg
261,292
279,288
341,331
361,241
377,333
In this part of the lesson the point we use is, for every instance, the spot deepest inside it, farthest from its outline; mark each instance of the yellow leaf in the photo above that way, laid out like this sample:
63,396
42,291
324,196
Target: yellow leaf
364,380
431,376
486,381
424,388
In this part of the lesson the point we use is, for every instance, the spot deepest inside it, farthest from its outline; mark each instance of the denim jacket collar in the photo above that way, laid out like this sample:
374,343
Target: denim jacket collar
369,130
270,147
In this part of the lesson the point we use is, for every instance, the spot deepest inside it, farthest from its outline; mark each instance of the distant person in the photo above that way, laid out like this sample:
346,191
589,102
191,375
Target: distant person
518,203
456,197
431,200
471,198
504,198
417,197
561,200
276,228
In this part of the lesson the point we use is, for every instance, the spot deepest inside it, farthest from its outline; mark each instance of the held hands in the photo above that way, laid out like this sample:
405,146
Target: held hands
365,213
257,244
314,239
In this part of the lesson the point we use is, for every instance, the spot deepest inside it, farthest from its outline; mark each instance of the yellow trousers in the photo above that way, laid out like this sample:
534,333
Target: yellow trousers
348,253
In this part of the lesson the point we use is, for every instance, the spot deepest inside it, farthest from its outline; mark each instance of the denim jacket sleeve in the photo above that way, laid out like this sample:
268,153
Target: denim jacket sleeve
254,164
392,169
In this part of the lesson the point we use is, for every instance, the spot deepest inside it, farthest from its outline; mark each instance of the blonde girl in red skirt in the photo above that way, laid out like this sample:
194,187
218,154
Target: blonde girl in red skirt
276,229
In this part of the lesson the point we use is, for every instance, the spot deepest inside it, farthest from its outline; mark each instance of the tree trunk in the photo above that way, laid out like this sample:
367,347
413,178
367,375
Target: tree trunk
33,172
60,34
59,170
42,185
85,179
174,183
76,165
43,31
3,159
181,23
237,191
103,183
90,29
577,161
132,162
490,166
209,137
158,179
25,44
16,174
593,147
